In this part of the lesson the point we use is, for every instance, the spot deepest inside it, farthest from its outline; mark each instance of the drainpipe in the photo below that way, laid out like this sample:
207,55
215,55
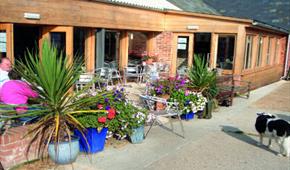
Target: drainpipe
287,57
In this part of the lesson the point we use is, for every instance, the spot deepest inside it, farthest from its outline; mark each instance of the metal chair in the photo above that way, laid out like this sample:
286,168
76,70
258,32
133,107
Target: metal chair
170,112
84,80
133,72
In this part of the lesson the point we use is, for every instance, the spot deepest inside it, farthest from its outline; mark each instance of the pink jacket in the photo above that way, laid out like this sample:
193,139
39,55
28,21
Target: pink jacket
16,92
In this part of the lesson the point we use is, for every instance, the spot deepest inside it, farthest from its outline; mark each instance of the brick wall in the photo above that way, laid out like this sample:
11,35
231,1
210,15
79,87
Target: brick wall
163,45
13,147
137,43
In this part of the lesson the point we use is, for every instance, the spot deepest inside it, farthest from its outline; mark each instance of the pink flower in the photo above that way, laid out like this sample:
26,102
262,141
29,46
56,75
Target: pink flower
111,114
100,106
102,119
186,93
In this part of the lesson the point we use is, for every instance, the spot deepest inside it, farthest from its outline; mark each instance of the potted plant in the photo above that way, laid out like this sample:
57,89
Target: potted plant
137,125
96,125
164,88
149,59
129,119
53,77
203,80
188,102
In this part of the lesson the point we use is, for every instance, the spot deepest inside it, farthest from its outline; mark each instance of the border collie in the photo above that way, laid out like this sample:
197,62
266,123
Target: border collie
272,127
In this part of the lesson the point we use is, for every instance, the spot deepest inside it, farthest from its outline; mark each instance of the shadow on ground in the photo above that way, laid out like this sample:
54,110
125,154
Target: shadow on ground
243,136
284,116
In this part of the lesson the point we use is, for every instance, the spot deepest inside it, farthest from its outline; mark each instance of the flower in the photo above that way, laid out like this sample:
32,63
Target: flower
188,101
111,114
102,119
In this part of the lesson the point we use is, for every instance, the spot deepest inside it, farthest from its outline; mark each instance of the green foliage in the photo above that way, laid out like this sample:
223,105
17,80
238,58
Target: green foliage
166,86
201,79
188,101
53,76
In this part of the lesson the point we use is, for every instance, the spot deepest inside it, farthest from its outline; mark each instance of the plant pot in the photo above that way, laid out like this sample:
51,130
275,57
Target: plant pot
96,140
67,151
162,106
137,135
187,116
149,61
208,109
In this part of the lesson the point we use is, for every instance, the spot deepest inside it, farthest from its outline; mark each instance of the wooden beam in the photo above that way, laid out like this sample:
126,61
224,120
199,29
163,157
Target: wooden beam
173,55
90,50
240,40
150,46
124,46
190,50
213,50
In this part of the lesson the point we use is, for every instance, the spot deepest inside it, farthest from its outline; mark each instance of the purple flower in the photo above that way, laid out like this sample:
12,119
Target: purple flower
106,100
108,107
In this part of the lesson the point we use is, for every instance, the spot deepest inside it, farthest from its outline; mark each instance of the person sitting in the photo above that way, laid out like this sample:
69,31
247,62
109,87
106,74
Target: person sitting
16,92
5,67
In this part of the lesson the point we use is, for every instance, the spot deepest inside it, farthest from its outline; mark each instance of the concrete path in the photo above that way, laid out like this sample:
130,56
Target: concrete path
209,144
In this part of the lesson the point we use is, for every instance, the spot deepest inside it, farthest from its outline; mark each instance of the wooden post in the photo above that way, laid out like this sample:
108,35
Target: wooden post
213,50
150,46
239,52
90,50
124,46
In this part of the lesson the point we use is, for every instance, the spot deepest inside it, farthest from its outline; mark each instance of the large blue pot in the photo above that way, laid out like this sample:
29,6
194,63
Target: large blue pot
95,140
137,135
67,151
187,116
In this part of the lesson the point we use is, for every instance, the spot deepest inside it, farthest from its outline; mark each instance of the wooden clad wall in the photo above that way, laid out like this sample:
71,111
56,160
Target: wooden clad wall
178,23
81,13
267,72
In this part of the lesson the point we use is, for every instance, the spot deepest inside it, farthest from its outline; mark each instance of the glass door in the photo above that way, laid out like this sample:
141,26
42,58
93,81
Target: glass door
61,37
183,57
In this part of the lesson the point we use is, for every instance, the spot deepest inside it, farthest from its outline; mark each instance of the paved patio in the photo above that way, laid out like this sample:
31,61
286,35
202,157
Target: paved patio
209,144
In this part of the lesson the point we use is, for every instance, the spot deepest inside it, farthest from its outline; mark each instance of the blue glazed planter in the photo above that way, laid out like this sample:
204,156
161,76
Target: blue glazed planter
95,139
137,135
187,116
67,151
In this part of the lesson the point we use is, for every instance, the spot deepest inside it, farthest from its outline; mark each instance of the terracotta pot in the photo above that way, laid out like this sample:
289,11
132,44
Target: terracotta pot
161,106
149,61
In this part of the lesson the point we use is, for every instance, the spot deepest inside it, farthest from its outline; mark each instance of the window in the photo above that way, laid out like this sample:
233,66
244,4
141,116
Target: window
276,54
3,44
269,51
260,51
226,49
248,52
182,52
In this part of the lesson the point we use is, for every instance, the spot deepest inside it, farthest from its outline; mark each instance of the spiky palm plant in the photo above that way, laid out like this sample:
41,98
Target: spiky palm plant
201,79
52,76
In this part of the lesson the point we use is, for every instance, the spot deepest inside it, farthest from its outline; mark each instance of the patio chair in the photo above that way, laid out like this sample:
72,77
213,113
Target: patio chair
84,80
171,111
133,72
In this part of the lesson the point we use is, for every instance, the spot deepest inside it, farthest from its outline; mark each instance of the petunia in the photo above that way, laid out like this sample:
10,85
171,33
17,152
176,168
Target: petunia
102,119
100,106
111,114
107,108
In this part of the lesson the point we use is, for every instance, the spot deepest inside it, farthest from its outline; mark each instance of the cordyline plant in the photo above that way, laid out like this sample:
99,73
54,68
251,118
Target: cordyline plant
52,76
201,79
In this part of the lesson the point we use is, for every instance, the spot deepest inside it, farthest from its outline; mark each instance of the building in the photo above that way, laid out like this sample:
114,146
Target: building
117,31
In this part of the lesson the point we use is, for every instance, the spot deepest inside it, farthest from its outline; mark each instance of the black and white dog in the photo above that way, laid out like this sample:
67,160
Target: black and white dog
272,127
